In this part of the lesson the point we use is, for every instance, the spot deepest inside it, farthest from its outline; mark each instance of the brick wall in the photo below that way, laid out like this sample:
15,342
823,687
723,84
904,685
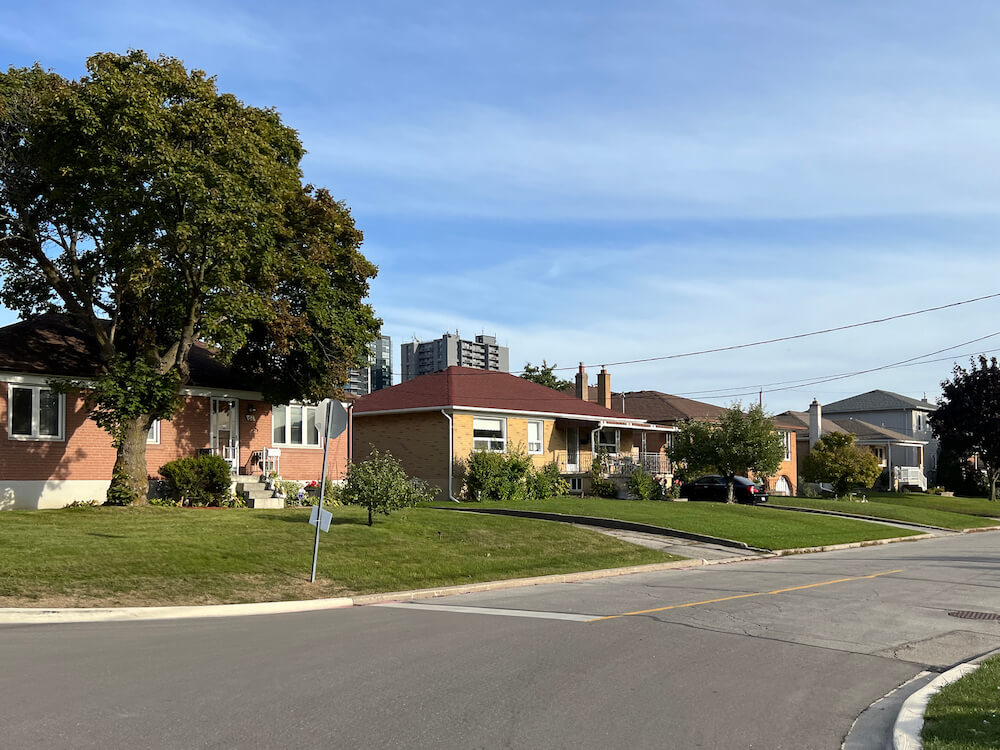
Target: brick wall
418,441
87,452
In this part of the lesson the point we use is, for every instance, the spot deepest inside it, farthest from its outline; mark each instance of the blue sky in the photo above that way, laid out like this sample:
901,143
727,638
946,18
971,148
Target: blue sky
603,182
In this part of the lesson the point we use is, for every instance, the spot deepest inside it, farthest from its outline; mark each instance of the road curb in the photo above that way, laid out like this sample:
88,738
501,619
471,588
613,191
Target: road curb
910,721
77,615
860,517
851,545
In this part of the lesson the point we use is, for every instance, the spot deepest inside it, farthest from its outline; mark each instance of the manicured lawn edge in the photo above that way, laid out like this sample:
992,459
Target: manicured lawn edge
605,523
963,714
136,557
757,527
911,515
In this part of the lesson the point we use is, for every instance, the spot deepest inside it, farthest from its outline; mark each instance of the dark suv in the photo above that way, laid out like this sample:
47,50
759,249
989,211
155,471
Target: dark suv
713,487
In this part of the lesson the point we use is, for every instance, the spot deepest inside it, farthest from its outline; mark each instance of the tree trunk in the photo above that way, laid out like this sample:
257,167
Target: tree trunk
994,475
369,515
730,490
129,479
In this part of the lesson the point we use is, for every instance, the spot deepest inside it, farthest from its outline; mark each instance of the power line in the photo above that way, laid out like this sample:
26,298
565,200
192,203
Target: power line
831,378
789,338
802,381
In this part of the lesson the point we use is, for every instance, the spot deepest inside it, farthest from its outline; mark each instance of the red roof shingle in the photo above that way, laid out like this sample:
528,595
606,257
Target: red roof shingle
469,387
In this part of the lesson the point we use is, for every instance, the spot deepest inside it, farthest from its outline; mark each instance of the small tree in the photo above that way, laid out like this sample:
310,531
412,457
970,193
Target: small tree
967,420
544,374
380,484
740,443
835,459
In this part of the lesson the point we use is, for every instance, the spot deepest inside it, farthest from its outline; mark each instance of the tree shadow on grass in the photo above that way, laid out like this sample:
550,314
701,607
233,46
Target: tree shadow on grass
304,519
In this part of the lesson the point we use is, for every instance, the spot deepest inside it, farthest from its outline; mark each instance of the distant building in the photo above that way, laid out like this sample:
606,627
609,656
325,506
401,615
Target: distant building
424,357
378,375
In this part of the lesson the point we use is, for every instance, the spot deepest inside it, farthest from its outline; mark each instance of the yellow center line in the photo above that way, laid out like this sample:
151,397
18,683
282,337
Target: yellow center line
745,596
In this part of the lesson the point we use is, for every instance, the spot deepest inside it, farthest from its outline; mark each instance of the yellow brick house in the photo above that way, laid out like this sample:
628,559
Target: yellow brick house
432,423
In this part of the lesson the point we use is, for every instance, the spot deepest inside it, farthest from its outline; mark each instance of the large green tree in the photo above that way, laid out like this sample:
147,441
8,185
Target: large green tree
544,374
740,443
156,212
967,420
837,460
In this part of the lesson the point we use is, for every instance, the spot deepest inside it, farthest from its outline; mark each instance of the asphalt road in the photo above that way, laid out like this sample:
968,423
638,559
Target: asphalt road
770,654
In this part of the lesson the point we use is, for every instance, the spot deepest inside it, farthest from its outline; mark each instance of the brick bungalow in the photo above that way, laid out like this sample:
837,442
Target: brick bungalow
432,423
51,453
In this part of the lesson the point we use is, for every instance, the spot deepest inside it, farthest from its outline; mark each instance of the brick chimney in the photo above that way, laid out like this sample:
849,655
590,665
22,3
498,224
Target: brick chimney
604,388
815,422
582,389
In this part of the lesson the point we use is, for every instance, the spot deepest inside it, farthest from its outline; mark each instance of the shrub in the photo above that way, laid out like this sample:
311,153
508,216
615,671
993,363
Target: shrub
643,486
497,476
546,482
381,485
82,504
167,502
600,484
197,480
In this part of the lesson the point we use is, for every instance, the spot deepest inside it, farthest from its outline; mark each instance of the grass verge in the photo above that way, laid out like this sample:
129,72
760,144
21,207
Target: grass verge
754,525
892,511
973,506
152,556
965,715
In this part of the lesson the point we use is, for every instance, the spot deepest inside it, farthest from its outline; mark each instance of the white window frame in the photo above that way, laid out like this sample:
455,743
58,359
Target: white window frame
492,445
153,436
286,443
35,420
786,439
540,443
607,446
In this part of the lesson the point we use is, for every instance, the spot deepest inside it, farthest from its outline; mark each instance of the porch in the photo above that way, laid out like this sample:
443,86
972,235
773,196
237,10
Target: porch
620,465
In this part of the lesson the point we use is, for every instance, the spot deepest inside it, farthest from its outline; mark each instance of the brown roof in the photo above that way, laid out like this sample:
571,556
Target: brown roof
465,386
658,407
862,431
53,344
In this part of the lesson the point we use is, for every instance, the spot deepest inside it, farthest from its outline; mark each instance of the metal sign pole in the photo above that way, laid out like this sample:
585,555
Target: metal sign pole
322,484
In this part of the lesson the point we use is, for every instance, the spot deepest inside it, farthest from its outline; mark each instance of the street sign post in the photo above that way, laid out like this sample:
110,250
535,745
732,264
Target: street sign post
331,422
321,516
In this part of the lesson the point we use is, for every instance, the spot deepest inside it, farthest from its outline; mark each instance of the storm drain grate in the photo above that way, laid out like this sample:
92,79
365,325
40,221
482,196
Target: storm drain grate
968,615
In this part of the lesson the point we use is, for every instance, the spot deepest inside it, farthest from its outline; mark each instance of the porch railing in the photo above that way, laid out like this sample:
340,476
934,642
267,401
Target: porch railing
617,465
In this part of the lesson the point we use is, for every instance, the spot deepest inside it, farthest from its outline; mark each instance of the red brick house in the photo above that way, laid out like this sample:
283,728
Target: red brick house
51,453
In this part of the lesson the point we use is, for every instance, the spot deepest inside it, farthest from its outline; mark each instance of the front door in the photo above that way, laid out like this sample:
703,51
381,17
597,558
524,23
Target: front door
226,430
572,450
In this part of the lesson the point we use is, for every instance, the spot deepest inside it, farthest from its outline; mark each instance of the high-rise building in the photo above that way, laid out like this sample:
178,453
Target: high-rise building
422,357
378,374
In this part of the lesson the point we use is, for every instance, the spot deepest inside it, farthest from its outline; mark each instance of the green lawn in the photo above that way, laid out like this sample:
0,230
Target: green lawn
973,506
892,511
122,556
965,715
755,525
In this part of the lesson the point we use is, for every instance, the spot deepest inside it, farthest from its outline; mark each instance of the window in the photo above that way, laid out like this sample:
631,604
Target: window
536,432
786,440
879,452
489,434
35,413
609,441
153,436
294,424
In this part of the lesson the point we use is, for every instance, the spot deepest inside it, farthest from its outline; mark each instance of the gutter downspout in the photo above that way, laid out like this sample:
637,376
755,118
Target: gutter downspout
451,455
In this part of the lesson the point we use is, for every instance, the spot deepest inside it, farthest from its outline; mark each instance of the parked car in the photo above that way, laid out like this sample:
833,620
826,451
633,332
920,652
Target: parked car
713,487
